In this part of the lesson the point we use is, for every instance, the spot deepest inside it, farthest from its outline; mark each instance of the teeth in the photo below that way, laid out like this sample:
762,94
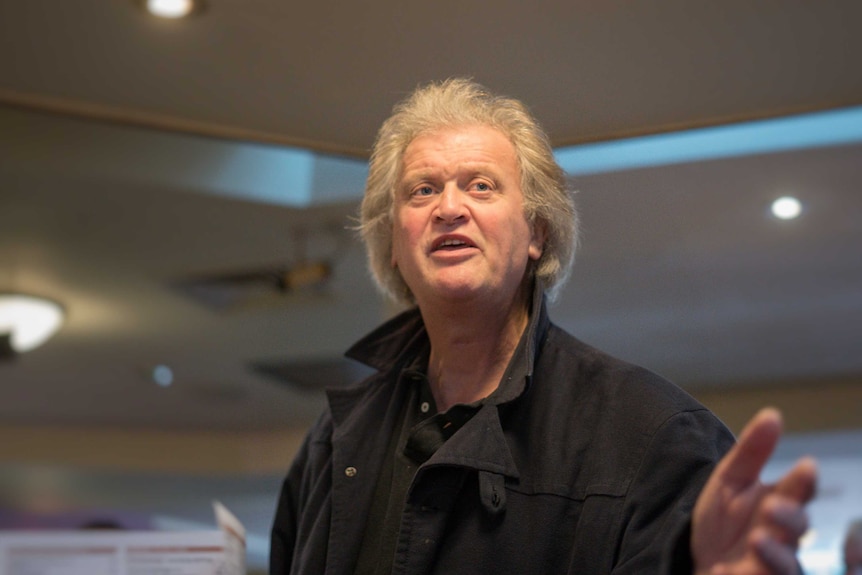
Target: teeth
453,243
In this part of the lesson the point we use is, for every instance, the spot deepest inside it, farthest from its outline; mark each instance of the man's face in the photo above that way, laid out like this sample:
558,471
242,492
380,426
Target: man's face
459,229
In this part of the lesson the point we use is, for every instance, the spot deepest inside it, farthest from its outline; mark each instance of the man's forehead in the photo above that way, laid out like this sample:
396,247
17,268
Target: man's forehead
466,127
421,169
467,145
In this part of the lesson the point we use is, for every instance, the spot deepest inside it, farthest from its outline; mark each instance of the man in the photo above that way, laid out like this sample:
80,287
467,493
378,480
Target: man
853,549
489,440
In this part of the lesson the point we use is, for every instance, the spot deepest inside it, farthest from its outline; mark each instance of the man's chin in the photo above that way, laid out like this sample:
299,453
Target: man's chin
456,291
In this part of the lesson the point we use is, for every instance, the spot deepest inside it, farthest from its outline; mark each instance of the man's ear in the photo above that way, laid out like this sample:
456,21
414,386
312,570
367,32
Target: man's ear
537,240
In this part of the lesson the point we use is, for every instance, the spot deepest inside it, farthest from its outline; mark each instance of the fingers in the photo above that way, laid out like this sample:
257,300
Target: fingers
800,483
766,557
778,558
782,512
784,519
742,464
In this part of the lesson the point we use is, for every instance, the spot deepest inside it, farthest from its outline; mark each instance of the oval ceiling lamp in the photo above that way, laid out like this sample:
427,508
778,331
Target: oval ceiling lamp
172,9
786,208
26,322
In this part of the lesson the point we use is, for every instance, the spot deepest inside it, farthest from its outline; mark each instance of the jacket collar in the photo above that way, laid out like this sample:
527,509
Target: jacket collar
397,342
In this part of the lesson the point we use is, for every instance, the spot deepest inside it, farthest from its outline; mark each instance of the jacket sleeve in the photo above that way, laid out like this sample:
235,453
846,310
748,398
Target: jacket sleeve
677,462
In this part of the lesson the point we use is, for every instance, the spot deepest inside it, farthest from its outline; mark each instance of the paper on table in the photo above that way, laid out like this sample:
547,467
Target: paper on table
216,552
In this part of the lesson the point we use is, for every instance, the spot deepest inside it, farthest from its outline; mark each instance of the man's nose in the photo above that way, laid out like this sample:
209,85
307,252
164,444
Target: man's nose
450,206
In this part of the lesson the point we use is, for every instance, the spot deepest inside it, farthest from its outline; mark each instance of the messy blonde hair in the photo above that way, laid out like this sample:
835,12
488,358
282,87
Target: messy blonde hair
459,102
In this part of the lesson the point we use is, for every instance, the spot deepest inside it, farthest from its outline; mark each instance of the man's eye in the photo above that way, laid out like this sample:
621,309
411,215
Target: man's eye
482,187
423,191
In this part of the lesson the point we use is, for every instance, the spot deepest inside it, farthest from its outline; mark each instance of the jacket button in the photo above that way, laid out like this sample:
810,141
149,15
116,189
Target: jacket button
350,471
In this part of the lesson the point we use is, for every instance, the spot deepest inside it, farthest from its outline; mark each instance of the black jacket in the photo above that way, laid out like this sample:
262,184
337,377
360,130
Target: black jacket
578,463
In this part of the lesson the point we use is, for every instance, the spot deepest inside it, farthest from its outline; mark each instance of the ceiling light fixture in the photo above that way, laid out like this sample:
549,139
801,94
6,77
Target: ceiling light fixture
786,208
163,375
27,322
171,8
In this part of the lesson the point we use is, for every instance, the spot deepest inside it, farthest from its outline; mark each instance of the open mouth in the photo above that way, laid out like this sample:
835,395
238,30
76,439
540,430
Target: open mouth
451,244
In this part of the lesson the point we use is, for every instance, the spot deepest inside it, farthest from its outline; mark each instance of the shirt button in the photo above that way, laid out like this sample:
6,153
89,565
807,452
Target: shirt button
350,471
424,407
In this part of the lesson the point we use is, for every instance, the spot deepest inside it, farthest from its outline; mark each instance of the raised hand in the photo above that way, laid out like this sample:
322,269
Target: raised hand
741,526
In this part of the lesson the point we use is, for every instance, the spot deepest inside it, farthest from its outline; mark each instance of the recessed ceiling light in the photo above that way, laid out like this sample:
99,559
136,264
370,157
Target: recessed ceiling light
170,8
163,375
786,208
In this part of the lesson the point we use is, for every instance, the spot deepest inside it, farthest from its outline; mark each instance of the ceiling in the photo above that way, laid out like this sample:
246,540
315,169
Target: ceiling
137,153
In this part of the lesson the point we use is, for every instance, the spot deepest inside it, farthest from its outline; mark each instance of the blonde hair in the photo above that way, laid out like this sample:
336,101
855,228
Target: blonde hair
459,102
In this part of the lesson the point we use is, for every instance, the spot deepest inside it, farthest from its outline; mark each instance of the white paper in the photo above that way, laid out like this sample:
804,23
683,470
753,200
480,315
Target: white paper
96,552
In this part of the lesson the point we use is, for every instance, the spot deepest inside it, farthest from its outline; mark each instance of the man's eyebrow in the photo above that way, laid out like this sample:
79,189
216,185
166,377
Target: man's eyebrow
419,174
410,179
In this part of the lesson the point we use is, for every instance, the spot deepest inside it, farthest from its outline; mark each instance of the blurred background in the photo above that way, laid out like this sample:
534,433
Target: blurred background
182,193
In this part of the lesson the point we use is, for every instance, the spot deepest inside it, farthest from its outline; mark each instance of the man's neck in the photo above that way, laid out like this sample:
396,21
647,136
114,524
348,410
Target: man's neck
471,346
